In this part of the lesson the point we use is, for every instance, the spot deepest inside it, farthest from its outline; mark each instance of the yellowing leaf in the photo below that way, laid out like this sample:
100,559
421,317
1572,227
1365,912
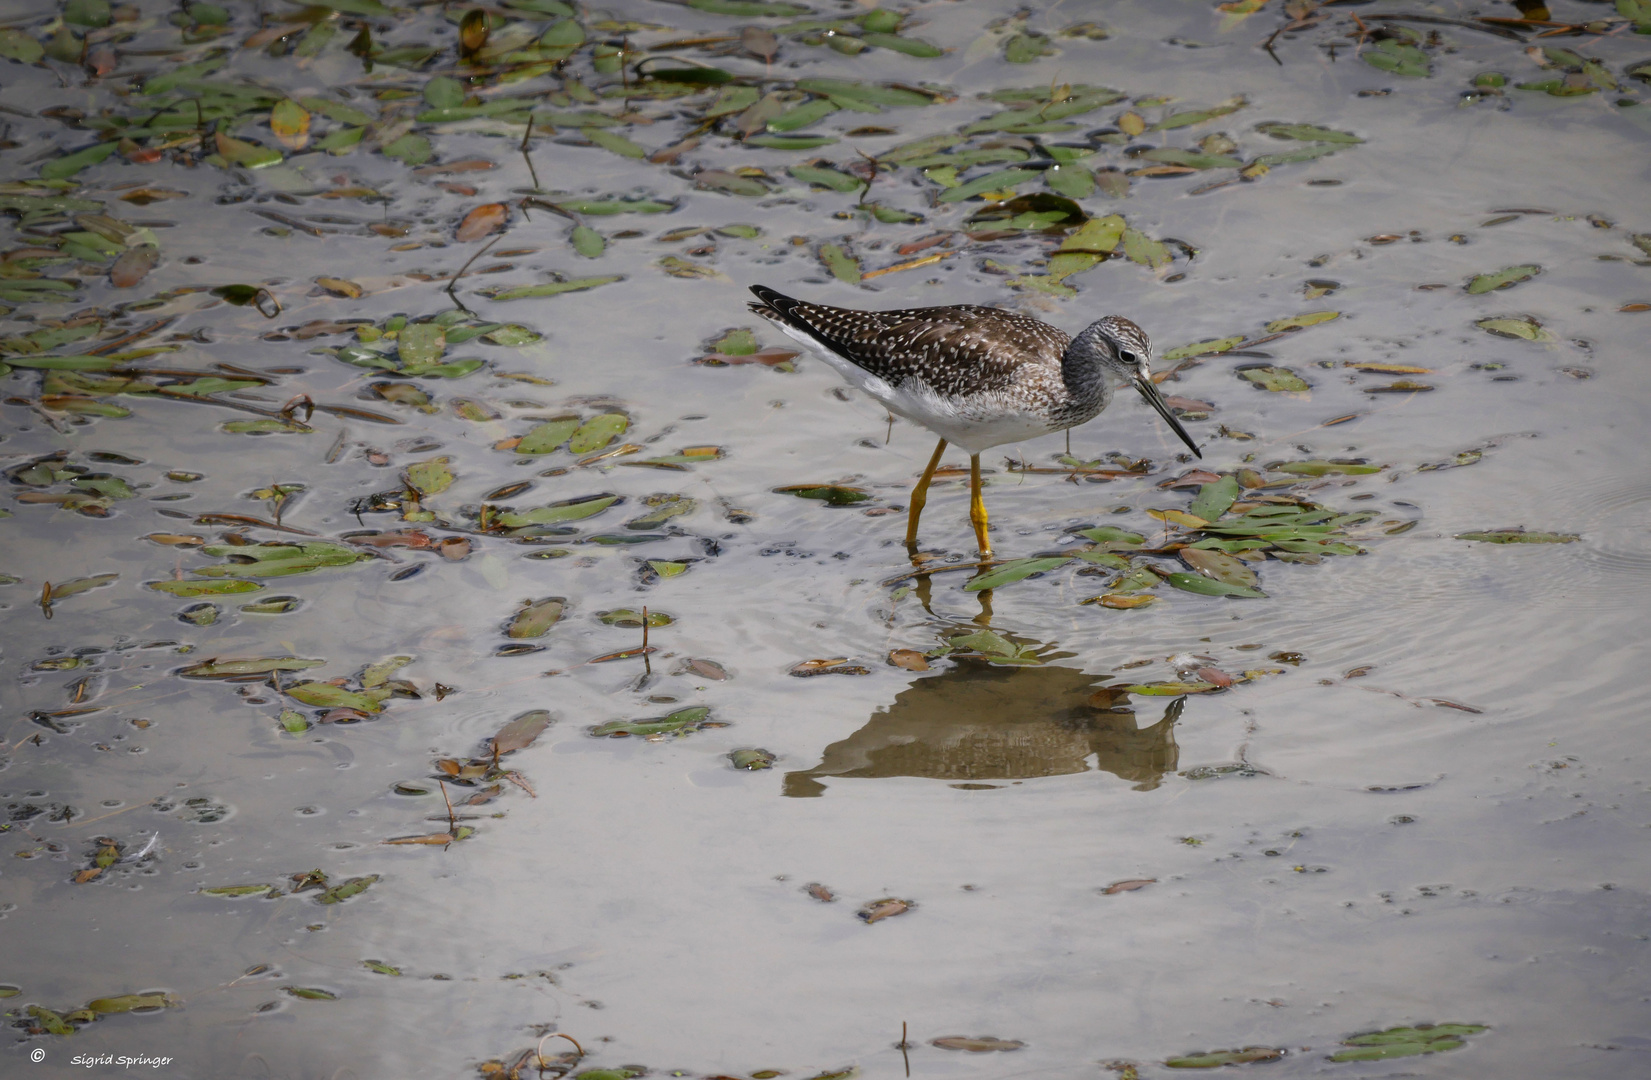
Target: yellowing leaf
1297,322
340,287
1178,517
291,123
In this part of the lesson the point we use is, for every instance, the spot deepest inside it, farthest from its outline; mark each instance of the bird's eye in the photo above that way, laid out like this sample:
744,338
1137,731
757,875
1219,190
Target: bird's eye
1128,357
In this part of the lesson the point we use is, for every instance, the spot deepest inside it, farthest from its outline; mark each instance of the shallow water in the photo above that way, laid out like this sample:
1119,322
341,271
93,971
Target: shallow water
1434,814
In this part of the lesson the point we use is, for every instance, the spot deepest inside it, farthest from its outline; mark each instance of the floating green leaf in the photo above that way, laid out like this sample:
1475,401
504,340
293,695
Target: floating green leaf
421,343
223,669
1214,499
1199,116
1307,133
18,45
1141,248
125,1003
631,618
1192,159
74,586
618,144
910,46
279,560
328,696
558,512
731,182
608,207
1398,58
1406,1041
843,266
588,242
1518,536
1323,468
997,181
803,115
1522,326
343,891
548,436
1113,537
1502,279
1276,379
828,178
927,146
1220,566
536,617
831,494
1217,1058
1070,179
1202,348
241,890
430,477
1015,570
63,167
663,508
203,588
681,722
1206,586
1298,322
598,432
863,97
554,288
1024,48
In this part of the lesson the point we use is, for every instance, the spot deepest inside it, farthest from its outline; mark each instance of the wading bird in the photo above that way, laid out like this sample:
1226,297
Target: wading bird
975,376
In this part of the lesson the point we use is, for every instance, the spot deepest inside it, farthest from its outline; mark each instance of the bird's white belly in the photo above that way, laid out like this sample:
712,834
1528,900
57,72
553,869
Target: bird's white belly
974,430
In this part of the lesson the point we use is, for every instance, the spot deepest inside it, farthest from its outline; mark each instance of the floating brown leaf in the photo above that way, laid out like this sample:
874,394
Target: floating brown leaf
484,219
521,732
1128,885
886,908
133,266
910,659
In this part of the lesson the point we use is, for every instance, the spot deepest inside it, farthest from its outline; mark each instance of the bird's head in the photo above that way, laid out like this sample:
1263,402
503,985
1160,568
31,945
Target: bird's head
1123,353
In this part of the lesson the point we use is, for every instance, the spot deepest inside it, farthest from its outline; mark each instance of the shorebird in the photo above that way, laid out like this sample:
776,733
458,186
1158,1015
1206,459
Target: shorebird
975,376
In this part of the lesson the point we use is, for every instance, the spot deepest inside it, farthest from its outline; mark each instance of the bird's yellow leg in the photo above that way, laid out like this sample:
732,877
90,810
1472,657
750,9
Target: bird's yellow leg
920,495
977,507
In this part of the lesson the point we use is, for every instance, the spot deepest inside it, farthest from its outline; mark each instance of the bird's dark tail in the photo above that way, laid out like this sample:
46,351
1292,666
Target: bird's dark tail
775,305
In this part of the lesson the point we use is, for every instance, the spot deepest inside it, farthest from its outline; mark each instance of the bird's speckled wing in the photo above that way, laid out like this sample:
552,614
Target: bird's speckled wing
957,351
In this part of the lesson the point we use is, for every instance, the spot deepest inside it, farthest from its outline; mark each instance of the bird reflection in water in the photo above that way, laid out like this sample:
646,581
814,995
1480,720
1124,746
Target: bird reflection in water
977,724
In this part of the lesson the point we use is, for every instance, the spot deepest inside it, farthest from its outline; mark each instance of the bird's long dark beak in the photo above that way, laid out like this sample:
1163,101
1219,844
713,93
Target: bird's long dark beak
1149,390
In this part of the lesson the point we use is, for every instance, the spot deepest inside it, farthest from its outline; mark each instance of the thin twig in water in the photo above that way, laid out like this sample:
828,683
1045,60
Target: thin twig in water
870,179
531,171
647,665
903,1044
449,290
452,822
136,335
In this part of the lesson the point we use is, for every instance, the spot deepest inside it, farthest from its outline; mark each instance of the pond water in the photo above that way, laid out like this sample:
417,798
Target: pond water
263,336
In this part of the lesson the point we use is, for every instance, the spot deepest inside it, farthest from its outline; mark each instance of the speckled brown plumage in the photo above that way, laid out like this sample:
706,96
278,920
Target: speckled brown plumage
975,376
958,351
978,376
